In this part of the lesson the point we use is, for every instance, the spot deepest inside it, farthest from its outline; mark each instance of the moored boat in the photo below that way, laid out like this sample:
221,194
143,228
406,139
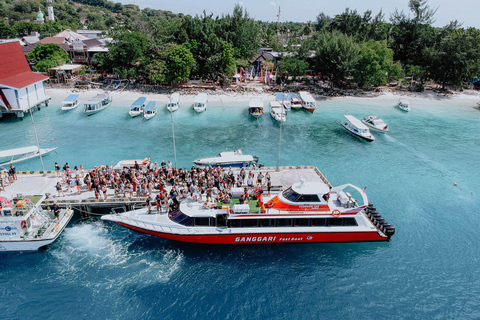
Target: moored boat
98,103
284,100
295,101
308,102
255,107
303,213
174,102
357,128
150,110
131,163
403,105
22,154
277,112
26,227
228,159
375,123
70,103
200,102
136,108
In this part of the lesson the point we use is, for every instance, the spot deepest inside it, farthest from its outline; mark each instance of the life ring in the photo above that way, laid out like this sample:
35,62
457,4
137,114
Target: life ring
23,224
269,204
336,213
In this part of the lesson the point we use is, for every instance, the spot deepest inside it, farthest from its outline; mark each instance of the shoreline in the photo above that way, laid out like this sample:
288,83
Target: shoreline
230,96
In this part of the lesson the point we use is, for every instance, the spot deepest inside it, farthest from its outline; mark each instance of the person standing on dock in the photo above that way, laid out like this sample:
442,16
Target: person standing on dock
2,186
59,189
57,169
149,204
78,184
13,171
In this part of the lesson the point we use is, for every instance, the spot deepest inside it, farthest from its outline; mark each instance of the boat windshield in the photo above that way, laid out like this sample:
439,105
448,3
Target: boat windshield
181,218
294,196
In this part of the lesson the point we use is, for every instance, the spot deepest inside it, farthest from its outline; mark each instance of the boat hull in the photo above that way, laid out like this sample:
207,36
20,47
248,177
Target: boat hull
358,135
134,114
90,112
371,127
311,110
149,116
271,238
225,164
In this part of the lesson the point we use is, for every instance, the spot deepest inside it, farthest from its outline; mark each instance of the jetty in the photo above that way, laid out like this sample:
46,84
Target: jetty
40,183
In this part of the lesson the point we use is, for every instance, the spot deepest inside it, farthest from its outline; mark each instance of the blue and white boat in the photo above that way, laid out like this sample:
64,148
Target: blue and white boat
70,103
284,100
200,102
403,105
98,103
229,159
174,102
295,101
357,128
150,110
136,108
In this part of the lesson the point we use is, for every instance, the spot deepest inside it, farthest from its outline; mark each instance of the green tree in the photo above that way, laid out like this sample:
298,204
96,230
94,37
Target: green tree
180,63
227,65
336,55
6,31
293,66
48,56
375,65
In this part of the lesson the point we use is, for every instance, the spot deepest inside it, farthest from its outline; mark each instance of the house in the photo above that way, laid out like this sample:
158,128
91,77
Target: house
92,34
20,88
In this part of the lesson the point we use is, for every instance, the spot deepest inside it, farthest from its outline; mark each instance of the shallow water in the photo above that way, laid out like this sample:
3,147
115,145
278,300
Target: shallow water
430,268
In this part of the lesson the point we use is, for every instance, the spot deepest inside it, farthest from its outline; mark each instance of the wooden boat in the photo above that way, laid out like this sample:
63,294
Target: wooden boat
295,101
98,103
150,110
200,102
136,108
22,154
308,102
284,100
174,103
277,112
255,107
70,103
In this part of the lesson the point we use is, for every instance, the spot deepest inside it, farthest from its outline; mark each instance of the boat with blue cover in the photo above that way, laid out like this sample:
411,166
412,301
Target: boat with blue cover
136,108
70,103
284,100
98,103
357,128
150,110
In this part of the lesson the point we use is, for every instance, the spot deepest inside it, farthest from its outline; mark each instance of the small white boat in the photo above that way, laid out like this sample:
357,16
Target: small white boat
284,100
22,154
98,103
403,105
357,128
174,103
26,227
130,163
277,111
228,159
308,102
150,110
295,102
375,123
136,108
70,103
255,107
200,102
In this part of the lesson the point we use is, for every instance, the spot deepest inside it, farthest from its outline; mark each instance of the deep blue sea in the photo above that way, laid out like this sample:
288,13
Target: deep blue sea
429,270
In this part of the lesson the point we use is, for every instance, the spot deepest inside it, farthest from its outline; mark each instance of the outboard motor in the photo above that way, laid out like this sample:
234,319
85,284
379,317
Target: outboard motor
390,231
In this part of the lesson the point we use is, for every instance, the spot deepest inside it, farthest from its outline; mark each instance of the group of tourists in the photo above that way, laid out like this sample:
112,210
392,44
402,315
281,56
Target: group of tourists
163,185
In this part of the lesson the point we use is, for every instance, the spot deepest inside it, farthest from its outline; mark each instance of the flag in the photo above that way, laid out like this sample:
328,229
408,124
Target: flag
364,189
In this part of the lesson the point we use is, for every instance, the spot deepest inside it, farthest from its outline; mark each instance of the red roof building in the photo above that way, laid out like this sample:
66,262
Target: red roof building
20,88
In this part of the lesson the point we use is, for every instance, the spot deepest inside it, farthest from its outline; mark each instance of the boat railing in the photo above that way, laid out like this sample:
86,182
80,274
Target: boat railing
322,177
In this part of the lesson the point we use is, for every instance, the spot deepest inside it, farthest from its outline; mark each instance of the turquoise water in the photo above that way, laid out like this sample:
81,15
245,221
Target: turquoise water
430,268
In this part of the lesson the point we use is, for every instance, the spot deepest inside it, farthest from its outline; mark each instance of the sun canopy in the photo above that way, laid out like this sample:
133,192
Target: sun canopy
306,96
150,106
139,102
17,151
201,98
357,123
71,98
280,96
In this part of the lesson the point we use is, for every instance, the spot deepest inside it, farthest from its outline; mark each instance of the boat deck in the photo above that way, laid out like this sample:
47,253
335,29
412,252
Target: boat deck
39,183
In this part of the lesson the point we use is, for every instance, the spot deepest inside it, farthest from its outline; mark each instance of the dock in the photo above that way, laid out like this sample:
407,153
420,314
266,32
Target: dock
31,183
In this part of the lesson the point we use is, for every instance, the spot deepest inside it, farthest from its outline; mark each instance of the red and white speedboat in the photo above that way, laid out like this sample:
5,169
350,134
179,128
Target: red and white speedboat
304,213
308,102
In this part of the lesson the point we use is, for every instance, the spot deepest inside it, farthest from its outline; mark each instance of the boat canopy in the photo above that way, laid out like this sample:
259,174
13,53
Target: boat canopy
256,103
139,102
175,98
306,96
150,106
201,98
280,96
275,104
18,151
357,123
71,98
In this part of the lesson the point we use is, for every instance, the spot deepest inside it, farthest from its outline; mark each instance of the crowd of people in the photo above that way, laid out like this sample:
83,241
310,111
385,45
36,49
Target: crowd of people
163,185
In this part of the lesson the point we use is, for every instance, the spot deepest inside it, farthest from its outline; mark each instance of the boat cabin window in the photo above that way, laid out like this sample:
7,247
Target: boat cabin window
7,212
302,222
267,222
250,223
309,198
181,218
235,223
205,222
284,222
291,195
298,222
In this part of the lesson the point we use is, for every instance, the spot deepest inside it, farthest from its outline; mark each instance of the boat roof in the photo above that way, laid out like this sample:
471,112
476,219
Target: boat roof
280,96
139,102
310,187
175,97
275,104
256,102
71,98
357,123
150,106
306,96
201,98
292,95
17,151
